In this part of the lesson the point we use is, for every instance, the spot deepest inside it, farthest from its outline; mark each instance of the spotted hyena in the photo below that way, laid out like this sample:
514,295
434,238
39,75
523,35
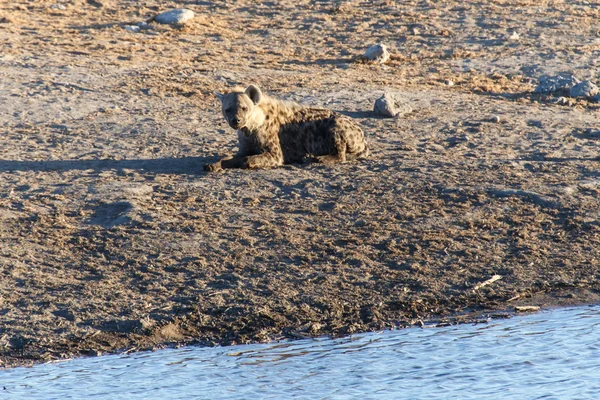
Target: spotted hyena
272,132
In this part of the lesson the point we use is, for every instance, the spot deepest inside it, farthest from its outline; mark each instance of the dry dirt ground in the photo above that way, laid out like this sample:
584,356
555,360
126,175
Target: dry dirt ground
112,237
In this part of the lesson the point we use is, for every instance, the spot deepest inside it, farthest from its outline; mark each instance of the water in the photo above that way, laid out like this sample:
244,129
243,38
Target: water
549,355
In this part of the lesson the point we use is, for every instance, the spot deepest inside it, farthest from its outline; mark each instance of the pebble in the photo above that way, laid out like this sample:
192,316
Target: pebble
513,37
378,53
584,89
596,98
389,105
175,16
132,28
562,100
527,308
449,82
561,82
589,132
495,119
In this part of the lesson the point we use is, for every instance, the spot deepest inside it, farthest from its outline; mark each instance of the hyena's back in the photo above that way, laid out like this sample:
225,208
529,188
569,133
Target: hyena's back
318,132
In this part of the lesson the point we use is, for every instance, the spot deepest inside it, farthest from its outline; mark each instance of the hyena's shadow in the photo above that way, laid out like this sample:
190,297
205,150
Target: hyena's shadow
357,114
183,165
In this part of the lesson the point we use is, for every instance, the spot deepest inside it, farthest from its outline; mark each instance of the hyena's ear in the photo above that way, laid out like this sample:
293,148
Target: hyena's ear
254,93
219,96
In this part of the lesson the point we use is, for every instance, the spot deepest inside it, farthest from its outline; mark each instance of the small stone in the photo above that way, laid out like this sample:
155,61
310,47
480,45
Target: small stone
378,53
557,83
513,37
389,105
495,119
590,133
527,308
584,89
132,28
58,7
449,82
562,100
175,16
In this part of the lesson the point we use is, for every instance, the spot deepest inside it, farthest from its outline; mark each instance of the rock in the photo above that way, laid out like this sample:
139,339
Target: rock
132,28
495,119
378,53
527,308
584,89
562,100
176,16
389,105
596,98
590,133
96,3
513,37
449,82
557,83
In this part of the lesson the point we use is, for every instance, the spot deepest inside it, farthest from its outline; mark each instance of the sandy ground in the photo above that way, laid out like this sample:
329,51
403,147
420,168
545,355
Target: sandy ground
112,238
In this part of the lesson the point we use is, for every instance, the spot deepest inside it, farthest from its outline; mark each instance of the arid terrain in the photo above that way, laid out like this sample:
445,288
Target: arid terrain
112,238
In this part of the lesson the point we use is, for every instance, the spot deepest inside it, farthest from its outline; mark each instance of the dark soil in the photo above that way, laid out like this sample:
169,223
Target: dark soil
113,239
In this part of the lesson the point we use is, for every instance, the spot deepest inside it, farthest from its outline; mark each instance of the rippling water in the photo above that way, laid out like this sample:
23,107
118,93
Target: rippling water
549,355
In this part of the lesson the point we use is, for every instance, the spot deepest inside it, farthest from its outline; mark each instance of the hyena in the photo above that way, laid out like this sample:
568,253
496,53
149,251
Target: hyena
272,132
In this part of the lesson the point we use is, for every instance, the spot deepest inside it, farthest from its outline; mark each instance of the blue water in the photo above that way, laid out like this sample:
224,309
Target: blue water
548,355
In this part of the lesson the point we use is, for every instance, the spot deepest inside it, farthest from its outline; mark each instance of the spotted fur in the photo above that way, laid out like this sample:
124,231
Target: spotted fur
272,132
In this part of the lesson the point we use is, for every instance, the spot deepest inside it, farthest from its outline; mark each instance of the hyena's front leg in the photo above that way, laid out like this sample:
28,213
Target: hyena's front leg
263,160
226,162
267,159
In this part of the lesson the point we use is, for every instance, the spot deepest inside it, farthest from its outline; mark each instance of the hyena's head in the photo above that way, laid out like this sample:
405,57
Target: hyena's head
240,108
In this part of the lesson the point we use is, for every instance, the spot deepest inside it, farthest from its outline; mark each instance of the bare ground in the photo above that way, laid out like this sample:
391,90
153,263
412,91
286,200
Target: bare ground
112,238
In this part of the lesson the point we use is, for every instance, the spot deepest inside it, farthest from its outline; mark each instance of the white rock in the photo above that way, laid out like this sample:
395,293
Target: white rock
390,105
132,28
378,53
557,83
562,100
176,16
449,82
513,37
584,89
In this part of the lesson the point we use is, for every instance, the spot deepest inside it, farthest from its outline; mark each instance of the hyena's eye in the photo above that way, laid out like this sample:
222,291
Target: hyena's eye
244,108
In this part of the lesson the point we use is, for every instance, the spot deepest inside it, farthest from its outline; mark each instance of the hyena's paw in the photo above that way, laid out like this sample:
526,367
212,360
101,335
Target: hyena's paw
328,159
213,167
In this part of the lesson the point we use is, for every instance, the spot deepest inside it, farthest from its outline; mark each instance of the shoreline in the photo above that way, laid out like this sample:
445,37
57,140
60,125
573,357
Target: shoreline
543,301
112,237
